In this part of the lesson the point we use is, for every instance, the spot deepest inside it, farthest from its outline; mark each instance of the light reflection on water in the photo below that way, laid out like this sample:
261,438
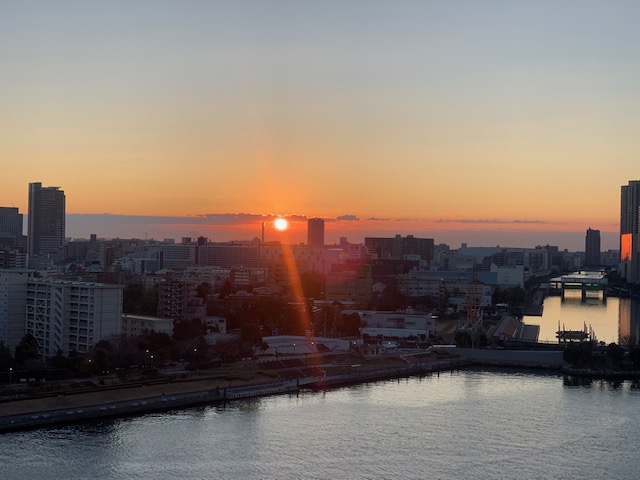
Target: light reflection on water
615,320
471,424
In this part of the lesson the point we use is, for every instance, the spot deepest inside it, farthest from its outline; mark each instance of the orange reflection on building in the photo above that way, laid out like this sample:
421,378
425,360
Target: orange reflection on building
626,247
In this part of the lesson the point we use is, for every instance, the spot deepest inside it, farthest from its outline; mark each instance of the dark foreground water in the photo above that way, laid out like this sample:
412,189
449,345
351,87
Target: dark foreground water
466,425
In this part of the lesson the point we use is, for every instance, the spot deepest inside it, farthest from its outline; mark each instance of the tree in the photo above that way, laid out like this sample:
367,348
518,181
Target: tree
132,297
27,351
159,344
150,300
351,325
391,299
462,339
6,360
615,354
578,354
204,290
251,335
514,296
137,299
60,361
312,284
230,349
227,289
634,357
189,329
198,351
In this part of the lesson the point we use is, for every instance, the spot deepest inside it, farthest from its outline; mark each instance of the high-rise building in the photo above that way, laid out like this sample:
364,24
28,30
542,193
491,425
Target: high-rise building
592,248
46,223
315,232
10,227
629,231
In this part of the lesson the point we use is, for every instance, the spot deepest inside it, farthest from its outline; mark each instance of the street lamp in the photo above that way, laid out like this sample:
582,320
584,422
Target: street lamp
10,375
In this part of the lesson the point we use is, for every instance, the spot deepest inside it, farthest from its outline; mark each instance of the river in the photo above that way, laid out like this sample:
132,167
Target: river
461,425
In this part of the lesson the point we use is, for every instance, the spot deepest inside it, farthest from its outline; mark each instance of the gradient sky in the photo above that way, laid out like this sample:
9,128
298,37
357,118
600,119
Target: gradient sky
480,119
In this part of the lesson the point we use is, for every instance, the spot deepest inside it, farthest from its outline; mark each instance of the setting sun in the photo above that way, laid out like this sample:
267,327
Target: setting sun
281,224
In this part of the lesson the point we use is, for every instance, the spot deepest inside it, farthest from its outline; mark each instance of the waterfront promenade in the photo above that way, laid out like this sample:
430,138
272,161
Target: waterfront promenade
69,407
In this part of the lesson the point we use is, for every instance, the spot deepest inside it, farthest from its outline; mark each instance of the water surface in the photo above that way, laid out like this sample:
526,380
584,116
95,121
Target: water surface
466,425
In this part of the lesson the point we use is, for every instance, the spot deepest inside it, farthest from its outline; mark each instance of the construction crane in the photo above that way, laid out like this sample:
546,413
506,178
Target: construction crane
472,300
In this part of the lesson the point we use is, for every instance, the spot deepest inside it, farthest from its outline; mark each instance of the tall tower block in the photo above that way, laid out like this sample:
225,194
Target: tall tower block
629,231
46,222
315,232
592,248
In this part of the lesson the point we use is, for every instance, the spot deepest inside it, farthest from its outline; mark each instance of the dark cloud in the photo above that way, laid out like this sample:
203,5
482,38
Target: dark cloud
229,219
209,219
490,221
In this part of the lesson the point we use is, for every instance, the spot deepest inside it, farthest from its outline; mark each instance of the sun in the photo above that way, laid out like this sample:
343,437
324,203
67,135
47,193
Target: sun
281,224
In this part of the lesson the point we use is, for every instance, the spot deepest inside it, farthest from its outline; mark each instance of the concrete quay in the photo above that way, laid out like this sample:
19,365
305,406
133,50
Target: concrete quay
135,406
548,359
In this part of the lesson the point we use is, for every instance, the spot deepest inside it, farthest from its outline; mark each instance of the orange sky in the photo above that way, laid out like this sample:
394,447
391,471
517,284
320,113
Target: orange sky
473,117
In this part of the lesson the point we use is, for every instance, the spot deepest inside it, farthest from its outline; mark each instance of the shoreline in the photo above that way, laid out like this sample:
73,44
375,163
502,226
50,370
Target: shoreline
127,400
23,414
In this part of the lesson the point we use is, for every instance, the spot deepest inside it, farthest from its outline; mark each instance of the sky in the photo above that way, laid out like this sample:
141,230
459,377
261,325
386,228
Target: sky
493,122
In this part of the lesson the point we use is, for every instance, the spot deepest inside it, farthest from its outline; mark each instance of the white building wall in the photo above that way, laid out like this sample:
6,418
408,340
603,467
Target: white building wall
510,276
72,316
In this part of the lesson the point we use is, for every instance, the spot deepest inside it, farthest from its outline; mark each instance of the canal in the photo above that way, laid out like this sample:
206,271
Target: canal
614,320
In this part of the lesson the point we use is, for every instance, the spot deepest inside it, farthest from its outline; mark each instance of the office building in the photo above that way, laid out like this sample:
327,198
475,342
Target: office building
399,248
315,232
46,224
592,248
228,254
629,231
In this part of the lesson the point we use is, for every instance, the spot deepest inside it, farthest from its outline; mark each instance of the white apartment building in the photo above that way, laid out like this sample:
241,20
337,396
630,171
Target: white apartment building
71,316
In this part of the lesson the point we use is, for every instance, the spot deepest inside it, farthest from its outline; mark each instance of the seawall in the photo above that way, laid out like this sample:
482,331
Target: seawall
141,405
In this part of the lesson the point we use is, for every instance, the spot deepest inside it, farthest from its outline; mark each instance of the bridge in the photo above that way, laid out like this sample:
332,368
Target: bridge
584,280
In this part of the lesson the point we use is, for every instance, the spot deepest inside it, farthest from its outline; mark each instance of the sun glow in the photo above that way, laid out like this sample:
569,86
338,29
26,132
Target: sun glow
281,224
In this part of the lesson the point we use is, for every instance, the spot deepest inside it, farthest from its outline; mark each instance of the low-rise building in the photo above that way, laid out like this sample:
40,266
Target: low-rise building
395,324
134,325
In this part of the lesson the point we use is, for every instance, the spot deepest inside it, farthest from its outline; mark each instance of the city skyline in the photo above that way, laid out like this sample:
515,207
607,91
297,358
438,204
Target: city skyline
487,123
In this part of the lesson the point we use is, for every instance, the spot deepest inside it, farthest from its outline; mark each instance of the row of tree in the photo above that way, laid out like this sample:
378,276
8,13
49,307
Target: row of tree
26,352
586,355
